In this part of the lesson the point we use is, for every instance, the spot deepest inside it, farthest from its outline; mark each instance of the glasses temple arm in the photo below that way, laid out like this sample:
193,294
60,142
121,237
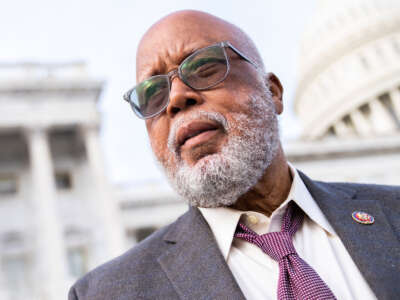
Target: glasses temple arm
238,52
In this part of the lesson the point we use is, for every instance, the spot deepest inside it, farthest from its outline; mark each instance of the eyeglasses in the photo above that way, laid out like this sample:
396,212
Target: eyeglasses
203,69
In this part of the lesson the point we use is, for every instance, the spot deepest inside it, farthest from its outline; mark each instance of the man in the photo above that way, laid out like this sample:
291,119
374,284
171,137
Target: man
256,228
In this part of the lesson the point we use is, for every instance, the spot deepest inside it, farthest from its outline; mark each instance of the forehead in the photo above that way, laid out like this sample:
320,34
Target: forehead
165,46
166,57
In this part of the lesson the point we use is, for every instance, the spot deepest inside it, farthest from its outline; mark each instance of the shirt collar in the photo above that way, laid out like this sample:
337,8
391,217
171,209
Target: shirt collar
223,220
300,194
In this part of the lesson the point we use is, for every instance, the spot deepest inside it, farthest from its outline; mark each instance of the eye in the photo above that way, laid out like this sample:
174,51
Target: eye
203,63
207,70
204,67
152,89
156,101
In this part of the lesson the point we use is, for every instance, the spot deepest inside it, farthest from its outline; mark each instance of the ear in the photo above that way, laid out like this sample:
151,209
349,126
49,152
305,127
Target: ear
276,89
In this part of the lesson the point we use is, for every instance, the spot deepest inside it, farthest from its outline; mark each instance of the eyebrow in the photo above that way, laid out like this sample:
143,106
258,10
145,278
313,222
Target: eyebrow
154,68
154,71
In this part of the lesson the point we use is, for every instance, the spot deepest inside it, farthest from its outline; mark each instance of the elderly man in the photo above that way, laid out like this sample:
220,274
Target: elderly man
256,228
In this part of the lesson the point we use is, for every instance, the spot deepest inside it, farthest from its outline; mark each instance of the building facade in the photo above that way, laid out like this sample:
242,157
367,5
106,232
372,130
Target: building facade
57,217
349,70
348,95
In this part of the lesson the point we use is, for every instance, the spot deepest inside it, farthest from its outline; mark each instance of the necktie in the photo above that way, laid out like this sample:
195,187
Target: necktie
297,280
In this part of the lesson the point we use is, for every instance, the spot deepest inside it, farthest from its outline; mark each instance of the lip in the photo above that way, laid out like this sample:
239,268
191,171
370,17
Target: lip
196,132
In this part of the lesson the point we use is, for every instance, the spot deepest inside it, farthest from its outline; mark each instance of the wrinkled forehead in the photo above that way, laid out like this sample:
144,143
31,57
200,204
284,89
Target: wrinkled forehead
168,42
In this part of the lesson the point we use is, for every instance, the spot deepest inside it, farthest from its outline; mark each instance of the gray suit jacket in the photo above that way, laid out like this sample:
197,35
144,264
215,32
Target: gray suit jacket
183,261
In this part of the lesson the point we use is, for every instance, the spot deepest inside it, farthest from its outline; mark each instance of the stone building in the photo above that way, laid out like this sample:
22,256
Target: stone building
349,70
348,94
57,217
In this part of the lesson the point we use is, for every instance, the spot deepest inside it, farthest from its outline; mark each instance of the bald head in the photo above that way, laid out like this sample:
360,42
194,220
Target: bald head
183,32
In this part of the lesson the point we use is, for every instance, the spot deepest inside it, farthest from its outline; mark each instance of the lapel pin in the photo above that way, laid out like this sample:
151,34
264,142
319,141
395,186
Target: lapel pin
362,217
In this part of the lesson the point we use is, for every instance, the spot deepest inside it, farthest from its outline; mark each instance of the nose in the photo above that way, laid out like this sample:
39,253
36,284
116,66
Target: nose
181,97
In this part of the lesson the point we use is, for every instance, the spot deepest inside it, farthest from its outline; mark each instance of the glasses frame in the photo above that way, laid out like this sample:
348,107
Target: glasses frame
177,72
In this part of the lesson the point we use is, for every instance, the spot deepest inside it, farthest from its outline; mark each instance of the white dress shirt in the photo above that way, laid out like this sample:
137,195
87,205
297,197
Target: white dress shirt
316,242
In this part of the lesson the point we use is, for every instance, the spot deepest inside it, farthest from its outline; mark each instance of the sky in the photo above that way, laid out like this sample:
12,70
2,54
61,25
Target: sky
106,33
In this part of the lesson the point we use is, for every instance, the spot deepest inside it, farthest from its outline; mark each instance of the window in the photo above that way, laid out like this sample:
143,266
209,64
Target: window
131,237
65,143
12,240
365,109
77,261
144,232
347,120
63,180
8,184
331,132
349,123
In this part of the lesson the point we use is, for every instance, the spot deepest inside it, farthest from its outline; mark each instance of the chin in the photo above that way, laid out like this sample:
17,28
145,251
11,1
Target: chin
201,154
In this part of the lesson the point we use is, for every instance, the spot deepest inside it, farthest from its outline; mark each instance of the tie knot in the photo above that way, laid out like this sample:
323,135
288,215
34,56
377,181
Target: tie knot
276,244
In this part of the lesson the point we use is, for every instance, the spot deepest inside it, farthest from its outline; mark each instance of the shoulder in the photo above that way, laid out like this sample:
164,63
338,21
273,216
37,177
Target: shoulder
365,190
385,198
129,275
336,196
355,190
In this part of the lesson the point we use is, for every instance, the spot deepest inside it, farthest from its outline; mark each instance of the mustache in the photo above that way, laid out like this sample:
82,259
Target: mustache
198,115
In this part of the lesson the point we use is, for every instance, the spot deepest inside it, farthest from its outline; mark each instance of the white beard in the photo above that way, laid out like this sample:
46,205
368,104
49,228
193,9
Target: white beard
220,179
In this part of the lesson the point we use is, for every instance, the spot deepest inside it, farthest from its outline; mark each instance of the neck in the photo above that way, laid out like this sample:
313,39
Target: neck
270,191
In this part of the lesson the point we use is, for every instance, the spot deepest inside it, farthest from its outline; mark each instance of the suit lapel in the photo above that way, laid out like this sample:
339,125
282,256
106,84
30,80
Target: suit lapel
374,248
194,263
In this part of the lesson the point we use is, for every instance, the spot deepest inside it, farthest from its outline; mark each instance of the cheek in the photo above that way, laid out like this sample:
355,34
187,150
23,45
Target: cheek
237,105
158,135
245,82
235,96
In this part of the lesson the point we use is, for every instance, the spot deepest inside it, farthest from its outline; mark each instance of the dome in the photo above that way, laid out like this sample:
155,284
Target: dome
349,70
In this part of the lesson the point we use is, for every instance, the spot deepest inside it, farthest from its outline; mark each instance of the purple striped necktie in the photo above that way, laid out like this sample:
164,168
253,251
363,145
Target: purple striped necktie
297,280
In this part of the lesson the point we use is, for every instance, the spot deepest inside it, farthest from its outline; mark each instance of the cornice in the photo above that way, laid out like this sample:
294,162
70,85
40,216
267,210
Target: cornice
338,50
349,101
49,85
339,148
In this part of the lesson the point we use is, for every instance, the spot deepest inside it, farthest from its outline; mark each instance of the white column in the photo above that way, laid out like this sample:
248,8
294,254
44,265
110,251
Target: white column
381,119
361,123
108,229
50,259
342,130
395,97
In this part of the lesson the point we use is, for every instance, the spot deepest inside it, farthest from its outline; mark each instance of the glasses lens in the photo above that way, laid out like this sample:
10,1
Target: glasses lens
205,68
150,97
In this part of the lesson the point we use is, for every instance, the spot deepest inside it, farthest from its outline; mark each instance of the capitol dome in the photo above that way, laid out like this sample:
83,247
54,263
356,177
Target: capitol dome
349,70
